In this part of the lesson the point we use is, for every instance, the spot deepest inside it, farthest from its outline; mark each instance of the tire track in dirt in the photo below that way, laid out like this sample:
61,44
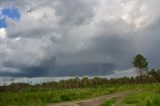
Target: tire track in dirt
94,101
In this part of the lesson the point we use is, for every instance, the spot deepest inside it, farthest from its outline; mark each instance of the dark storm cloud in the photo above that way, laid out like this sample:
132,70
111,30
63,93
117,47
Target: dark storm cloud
114,48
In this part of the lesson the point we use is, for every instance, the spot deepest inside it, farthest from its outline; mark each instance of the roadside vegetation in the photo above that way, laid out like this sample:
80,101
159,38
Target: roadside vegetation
109,102
40,97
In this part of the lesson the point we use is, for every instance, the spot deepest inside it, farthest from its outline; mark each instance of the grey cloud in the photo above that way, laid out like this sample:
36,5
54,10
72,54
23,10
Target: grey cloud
72,15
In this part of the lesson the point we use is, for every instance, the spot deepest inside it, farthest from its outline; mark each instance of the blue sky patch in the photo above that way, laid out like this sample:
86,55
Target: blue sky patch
12,13
3,23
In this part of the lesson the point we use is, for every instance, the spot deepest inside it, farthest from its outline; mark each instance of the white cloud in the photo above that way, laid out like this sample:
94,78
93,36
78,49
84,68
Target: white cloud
3,33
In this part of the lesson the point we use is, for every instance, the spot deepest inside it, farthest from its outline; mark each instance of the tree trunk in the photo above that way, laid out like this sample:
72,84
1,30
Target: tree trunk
141,72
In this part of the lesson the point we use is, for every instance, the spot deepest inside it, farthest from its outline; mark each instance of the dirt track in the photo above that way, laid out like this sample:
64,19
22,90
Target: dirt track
92,102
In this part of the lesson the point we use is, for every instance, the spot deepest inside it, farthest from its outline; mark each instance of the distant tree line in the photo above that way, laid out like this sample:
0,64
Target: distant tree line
151,76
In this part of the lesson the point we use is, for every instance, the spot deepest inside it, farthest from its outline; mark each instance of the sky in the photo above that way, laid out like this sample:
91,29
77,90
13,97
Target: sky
76,37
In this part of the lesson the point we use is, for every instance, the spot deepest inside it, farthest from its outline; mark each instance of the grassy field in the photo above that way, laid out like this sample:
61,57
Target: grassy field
109,102
147,95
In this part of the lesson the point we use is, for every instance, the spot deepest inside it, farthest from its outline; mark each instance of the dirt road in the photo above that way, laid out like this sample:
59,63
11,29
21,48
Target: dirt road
92,102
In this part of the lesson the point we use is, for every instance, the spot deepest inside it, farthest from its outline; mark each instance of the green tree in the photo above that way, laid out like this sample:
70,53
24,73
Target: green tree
140,62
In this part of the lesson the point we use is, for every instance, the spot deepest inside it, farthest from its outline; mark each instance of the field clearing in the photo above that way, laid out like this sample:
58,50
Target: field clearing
43,97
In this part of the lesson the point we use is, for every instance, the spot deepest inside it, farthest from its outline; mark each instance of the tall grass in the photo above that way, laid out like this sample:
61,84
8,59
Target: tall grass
109,102
149,96
41,97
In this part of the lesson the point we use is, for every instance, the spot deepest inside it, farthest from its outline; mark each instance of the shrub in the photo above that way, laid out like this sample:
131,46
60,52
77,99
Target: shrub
109,102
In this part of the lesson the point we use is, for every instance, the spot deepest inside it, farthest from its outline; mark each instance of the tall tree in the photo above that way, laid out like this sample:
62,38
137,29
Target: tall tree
140,62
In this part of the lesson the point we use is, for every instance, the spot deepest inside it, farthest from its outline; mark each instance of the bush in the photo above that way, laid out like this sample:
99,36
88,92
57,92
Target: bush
109,102
65,98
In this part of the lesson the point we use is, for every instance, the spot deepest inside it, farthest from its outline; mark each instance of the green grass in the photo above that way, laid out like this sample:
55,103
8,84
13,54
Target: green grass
41,97
109,102
143,99
149,94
